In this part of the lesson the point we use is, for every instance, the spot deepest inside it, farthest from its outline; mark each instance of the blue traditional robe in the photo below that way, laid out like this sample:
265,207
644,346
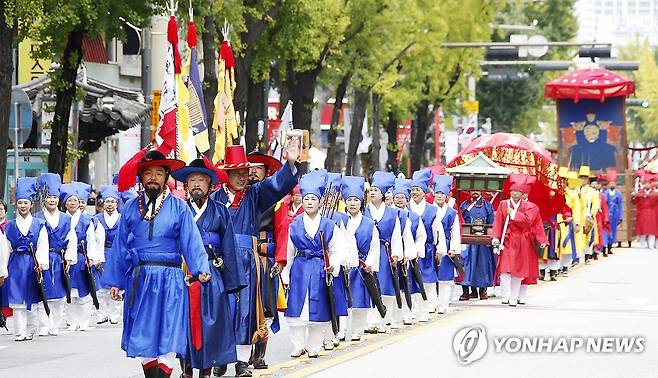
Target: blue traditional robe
385,226
216,228
479,260
363,235
340,290
257,198
79,278
615,213
414,286
428,267
21,286
447,268
57,244
110,234
156,305
307,272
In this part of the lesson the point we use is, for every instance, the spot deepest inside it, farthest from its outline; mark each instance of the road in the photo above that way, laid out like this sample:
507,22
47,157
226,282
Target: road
611,297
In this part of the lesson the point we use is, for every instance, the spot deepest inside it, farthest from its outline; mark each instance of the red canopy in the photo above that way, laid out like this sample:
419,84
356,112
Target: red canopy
589,83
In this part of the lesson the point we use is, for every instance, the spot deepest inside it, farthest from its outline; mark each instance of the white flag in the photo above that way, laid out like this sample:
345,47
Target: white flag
366,140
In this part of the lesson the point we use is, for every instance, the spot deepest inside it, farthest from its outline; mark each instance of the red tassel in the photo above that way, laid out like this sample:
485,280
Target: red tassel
222,176
195,315
128,172
172,37
226,54
191,35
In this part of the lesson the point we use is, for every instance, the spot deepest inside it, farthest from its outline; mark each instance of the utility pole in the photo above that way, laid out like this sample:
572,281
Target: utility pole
145,135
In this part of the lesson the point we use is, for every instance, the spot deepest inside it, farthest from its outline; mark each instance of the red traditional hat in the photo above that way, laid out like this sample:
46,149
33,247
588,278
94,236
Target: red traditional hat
271,163
142,160
611,175
521,183
297,190
236,158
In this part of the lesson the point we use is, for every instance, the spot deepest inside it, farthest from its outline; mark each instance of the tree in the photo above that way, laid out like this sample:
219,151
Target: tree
61,30
647,88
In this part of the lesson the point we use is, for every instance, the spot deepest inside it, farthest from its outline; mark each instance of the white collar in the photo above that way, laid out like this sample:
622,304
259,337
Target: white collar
111,220
515,207
52,219
295,208
442,210
377,213
418,208
24,224
229,195
353,222
311,225
158,201
75,218
198,211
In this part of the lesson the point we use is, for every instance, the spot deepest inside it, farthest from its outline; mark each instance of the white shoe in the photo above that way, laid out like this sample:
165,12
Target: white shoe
328,345
103,319
72,328
395,325
21,338
85,328
115,320
423,319
356,338
297,353
43,332
53,332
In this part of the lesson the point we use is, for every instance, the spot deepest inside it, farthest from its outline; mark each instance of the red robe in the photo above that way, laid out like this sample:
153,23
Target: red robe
645,221
519,256
602,221
283,217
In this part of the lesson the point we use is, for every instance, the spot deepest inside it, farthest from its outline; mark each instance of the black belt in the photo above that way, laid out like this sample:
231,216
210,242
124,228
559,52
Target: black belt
308,256
139,267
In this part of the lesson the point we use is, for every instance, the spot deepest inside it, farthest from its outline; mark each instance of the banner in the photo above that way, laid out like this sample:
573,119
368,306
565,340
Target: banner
591,132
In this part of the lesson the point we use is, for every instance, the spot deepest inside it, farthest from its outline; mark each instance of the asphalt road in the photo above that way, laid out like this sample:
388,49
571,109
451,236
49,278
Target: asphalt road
613,297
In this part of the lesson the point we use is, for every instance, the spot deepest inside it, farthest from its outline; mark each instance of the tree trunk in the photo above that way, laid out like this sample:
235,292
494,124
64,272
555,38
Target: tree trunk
375,147
209,76
359,113
301,86
64,97
392,147
419,134
255,99
333,162
6,68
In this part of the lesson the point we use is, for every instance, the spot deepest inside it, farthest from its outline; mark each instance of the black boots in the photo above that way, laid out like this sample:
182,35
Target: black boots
186,367
565,271
259,354
553,275
242,369
610,249
153,369
219,371
542,274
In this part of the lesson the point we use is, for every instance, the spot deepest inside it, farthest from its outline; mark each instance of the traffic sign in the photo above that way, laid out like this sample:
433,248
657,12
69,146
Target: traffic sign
18,96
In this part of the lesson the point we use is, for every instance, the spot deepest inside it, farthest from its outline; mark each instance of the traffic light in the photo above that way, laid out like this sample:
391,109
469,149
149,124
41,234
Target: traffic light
594,52
502,53
637,102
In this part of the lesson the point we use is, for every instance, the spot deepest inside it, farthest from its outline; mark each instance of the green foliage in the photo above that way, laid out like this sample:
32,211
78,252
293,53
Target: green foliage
647,88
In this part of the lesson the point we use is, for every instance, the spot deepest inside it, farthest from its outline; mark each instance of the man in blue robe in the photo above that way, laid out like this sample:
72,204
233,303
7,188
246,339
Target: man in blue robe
615,208
245,204
156,232
215,345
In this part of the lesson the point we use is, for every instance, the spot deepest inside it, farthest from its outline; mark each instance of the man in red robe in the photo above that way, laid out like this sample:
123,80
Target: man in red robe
645,222
517,224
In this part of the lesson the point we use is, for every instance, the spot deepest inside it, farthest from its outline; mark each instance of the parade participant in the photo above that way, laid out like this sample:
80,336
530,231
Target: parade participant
570,229
366,238
156,231
245,204
62,242
89,256
313,253
654,206
449,241
615,208
265,166
107,225
517,224
590,202
602,218
645,220
391,250
427,259
479,260
388,198
291,207
3,215
413,239
28,239
214,345
561,246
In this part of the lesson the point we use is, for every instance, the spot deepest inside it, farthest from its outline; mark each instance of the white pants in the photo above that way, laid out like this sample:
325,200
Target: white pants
651,241
419,307
305,335
358,320
566,260
523,293
550,265
511,287
50,324
445,295
79,313
168,360
432,301
25,322
393,314
108,307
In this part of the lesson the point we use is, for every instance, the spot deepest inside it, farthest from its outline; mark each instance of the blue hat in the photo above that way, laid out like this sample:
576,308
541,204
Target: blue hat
115,178
26,188
443,184
128,195
383,180
110,191
353,186
195,166
314,183
84,190
402,186
422,179
67,191
50,183
334,180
